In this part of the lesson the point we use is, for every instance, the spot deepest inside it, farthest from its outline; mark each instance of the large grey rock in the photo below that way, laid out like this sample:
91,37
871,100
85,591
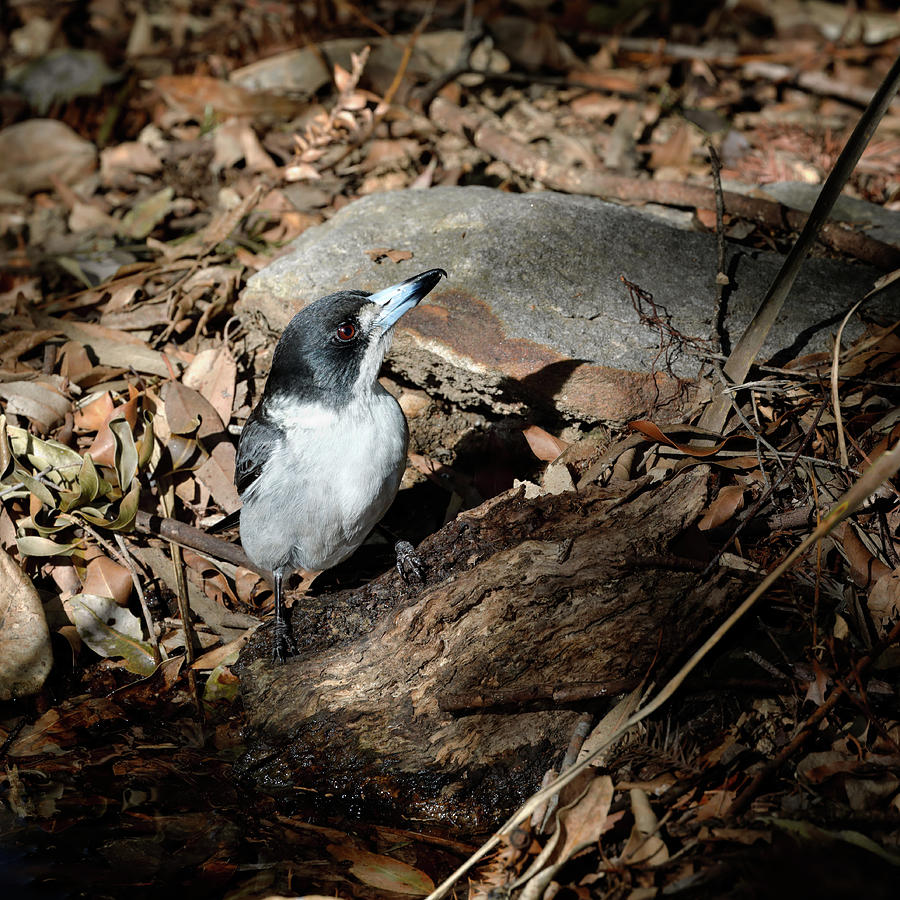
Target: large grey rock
534,309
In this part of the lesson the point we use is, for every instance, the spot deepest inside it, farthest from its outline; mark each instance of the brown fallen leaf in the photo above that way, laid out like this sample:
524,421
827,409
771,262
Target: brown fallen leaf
120,163
74,362
543,444
653,432
92,416
25,653
676,152
383,872
884,598
583,823
103,447
194,95
112,348
728,501
106,578
234,141
14,344
644,844
865,569
187,413
36,151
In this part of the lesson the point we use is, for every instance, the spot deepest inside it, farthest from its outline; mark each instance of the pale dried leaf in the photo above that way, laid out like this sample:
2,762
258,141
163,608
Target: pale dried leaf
25,653
213,373
111,631
644,845
41,402
37,152
94,414
884,598
383,872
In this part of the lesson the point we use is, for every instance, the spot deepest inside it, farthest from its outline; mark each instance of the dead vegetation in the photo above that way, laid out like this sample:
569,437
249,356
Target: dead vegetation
154,159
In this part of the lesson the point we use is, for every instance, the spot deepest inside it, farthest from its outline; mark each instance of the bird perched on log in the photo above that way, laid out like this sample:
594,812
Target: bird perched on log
321,456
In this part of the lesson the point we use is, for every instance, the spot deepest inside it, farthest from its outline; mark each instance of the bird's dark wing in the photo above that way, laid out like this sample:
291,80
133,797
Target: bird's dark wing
258,439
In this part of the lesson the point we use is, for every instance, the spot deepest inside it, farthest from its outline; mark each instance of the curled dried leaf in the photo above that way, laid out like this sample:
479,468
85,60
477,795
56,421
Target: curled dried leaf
125,456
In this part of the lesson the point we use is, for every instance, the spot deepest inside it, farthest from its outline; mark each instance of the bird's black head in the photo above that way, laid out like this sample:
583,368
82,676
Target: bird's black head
333,348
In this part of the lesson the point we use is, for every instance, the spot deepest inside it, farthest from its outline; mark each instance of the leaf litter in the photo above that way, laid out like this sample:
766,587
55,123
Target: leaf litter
132,215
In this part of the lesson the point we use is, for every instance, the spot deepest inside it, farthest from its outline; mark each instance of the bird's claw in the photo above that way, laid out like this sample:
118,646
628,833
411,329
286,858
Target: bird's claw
408,563
283,646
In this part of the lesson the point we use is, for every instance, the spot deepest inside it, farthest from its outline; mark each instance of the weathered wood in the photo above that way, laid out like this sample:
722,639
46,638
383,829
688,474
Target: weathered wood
522,596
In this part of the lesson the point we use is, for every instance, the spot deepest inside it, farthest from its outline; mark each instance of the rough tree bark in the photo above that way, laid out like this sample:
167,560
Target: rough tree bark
522,598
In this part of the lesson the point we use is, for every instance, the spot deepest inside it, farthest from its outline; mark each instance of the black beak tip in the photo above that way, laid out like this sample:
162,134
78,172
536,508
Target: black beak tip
431,277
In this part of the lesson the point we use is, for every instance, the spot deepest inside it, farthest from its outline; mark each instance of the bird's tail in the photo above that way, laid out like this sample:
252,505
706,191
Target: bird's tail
225,523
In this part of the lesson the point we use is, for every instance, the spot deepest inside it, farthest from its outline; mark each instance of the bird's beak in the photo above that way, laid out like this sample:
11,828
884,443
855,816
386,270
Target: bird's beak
399,298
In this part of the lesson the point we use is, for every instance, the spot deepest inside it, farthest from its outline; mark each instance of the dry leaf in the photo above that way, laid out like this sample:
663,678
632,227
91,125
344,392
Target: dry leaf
383,872
14,344
864,568
187,412
677,151
41,402
24,638
94,414
543,444
194,95
106,578
103,447
728,501
584,822
213,372
644,843
884,598
37,151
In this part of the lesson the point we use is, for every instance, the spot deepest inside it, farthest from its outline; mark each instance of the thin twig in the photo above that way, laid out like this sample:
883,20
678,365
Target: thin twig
835,396
760,440
184,608
717,334
11,489
145,610
193,539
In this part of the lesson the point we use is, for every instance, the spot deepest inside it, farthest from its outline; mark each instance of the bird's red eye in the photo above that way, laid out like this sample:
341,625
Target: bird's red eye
346,331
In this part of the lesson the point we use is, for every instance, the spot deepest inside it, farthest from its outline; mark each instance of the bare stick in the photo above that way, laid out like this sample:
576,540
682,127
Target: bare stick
717,334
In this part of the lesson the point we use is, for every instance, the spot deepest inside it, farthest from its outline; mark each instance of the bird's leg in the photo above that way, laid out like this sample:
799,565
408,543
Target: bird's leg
408,563
284,641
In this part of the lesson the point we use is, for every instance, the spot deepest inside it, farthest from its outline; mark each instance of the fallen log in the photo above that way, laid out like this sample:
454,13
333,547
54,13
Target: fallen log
525,602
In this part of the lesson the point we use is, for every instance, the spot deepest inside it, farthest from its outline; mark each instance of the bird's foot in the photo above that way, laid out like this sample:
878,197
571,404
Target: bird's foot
409,565
283,645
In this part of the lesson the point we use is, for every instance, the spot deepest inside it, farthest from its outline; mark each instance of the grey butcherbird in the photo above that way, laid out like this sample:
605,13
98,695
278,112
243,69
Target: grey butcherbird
321,456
